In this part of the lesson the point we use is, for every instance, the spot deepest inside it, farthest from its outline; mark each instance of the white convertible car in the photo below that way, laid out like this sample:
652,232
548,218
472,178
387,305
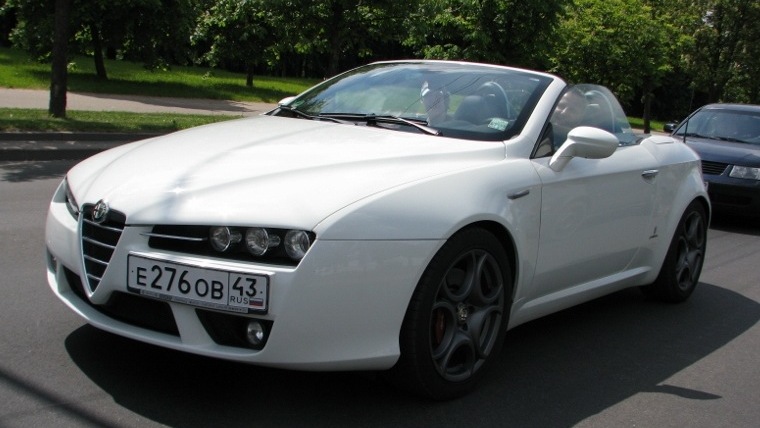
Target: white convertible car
400,216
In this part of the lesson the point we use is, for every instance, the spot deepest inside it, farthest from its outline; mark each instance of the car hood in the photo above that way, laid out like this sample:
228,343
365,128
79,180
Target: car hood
726,152
271,171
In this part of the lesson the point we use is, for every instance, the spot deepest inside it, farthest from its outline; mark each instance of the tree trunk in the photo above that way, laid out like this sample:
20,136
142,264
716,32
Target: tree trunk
648,88
335,39
249,68
97,47
59,74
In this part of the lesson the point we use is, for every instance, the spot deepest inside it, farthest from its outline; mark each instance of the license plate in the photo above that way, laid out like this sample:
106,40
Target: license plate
209,288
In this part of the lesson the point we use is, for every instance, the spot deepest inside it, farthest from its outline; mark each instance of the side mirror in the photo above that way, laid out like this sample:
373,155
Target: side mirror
585,142
285,101
670,127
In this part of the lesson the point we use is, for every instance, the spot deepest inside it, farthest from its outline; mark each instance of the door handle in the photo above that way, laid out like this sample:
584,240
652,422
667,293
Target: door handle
518,195
650,174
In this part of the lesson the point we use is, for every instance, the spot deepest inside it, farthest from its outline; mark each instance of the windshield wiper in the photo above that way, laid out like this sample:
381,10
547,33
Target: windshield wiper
715,137
395,119
305,115
378,118
696,135
731,139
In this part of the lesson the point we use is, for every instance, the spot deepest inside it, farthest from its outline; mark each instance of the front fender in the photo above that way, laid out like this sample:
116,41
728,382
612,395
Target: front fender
507,193
679,183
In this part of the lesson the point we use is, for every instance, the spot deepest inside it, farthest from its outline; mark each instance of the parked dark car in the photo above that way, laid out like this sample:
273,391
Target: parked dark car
727,138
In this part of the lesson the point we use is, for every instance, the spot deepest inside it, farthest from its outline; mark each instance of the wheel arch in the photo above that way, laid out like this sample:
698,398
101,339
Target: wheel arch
507,241
672,222
414,367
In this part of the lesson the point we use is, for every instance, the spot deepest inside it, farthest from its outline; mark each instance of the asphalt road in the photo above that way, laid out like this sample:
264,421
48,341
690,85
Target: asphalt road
618,361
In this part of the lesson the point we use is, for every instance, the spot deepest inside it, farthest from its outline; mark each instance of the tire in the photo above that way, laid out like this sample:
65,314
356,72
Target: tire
455,324
680,271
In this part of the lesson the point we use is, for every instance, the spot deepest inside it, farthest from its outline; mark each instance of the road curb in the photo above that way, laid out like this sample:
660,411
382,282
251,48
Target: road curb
34,146
77,136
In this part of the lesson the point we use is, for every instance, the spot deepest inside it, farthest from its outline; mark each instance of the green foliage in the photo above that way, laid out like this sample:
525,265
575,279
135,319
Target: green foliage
495,31
618,43
233,31
689,50
724,61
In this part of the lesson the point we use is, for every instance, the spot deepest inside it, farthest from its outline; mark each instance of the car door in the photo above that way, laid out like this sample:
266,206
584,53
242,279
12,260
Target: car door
595,213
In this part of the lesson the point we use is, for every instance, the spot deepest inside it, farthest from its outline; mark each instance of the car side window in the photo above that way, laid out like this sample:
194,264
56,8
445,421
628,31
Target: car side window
584,105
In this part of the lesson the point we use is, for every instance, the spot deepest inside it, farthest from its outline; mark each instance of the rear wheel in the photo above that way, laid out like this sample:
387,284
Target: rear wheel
456,320
683,263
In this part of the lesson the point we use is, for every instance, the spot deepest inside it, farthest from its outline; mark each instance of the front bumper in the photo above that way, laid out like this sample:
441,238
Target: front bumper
340,309
734,195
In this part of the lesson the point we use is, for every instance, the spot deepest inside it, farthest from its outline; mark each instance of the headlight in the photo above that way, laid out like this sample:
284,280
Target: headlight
258,241
297,243
71,203
745,172
223,238
266,244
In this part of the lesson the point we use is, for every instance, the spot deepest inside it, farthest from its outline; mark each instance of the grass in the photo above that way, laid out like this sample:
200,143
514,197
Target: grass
30,120
18,70
638,123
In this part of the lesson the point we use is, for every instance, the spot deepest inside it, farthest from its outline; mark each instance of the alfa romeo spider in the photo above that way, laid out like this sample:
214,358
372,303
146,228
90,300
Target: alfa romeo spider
398,218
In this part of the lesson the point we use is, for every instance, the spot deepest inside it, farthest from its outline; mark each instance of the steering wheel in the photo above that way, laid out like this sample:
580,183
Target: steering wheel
499,100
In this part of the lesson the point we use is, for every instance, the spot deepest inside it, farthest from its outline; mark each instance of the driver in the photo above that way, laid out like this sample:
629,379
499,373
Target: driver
436,103
569,113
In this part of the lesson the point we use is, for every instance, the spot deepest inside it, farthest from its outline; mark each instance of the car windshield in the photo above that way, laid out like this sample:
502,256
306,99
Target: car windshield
723,124
453,100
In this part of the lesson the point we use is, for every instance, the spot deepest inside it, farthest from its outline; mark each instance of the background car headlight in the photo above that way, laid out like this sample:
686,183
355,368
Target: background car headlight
297,243
745,172
223,238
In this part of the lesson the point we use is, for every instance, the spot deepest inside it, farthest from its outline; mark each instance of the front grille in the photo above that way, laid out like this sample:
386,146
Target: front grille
131,309
99,242
713,168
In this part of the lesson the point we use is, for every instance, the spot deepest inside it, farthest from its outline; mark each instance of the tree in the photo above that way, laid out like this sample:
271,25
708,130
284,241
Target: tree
234,31
343,31
725,42
622,44
59,77
746,86
156,32
498,31
7,22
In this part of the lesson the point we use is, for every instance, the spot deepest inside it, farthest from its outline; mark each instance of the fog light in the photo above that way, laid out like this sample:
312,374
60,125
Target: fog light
222,238
255,333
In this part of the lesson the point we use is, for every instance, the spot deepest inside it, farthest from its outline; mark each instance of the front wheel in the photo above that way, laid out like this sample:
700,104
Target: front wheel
456,320
683,262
